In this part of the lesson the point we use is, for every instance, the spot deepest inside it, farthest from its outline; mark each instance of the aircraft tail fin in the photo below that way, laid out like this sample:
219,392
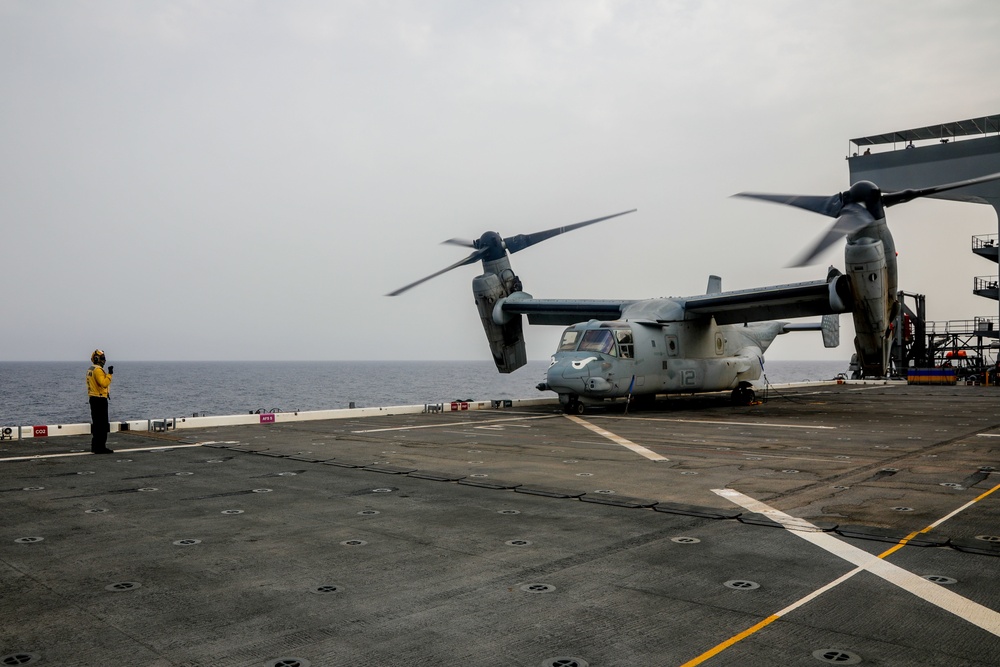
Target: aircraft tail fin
831,330
714,285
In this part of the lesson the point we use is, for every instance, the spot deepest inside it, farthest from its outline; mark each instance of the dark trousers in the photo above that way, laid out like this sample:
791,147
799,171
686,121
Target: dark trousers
100,423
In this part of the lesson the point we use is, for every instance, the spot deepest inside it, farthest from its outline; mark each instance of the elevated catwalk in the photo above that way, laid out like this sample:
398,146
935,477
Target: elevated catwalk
932,155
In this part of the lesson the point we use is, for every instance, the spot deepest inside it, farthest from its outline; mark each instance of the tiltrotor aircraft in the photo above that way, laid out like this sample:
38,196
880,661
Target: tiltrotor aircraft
710,342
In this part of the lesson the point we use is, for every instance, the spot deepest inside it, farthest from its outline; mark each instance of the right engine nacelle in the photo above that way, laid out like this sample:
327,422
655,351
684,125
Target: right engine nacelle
866,265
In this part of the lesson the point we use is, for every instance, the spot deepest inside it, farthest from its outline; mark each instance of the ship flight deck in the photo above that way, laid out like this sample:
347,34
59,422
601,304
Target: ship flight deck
832,524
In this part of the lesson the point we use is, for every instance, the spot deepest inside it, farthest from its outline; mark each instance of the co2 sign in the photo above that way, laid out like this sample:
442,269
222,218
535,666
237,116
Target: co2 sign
459,405
267,418
41,431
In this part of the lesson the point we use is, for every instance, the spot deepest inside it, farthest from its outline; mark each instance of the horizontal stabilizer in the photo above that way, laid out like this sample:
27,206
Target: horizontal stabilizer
829,326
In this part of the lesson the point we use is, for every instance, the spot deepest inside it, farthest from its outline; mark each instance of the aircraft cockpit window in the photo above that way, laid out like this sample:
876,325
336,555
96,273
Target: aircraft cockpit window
599,340
625,343
569,340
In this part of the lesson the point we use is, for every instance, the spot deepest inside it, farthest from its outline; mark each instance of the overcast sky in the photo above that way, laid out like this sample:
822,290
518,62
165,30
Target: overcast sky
246,180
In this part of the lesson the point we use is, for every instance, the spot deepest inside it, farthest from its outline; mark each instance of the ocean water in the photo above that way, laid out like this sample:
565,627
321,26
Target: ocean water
55,392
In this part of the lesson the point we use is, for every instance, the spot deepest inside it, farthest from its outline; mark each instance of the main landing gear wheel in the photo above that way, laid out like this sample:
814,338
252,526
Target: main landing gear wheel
743,395
574,407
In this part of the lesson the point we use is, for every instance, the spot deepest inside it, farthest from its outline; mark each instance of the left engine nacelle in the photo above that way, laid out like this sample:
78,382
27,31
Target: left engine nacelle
506,339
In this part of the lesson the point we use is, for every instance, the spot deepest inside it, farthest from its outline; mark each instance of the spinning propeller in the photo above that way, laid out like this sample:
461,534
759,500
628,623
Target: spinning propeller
491,246
856,208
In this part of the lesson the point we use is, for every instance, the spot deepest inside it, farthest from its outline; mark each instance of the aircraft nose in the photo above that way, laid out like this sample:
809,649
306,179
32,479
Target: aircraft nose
570,369
562,377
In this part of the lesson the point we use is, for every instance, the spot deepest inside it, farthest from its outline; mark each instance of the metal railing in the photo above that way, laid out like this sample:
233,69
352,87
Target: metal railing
983,283
962,327
985,241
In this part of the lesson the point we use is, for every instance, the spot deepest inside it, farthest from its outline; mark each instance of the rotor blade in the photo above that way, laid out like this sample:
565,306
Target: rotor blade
902,196
474,257
522,241
465,243
853,219
828,206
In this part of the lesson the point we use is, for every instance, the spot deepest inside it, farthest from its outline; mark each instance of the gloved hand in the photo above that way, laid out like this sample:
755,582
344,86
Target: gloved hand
111,370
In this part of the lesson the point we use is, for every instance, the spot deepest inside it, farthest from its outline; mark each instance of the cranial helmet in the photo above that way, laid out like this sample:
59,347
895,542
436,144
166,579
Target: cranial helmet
98,357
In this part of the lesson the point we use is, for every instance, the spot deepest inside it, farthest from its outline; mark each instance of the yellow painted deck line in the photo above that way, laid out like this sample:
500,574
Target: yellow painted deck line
902,543
117,451
617,439
476,424
729,642
770,619
960,509
975,613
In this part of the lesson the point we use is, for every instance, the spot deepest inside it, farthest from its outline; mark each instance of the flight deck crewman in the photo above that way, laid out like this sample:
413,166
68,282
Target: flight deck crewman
98,382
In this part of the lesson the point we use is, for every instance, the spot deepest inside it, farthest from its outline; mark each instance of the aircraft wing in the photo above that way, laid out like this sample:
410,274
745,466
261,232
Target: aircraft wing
563,312
778,302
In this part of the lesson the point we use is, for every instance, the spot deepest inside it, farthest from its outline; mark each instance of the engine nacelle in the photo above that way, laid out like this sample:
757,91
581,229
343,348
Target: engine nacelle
506,339
866,265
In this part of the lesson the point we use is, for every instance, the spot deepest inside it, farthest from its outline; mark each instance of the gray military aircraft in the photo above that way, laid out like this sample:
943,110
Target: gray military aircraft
618,348
637,349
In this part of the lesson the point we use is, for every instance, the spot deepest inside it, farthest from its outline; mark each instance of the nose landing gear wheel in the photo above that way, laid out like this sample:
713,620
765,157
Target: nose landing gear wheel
574,407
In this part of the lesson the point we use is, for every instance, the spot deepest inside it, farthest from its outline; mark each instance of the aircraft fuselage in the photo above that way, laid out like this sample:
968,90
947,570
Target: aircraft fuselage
601,360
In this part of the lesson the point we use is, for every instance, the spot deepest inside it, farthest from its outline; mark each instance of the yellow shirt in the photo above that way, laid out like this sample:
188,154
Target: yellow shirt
97,382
